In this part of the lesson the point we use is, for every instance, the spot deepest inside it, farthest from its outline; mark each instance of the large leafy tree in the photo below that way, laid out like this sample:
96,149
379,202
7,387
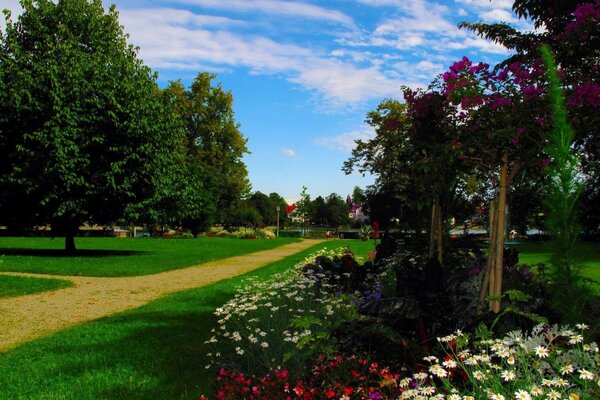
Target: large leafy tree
82,126
214,145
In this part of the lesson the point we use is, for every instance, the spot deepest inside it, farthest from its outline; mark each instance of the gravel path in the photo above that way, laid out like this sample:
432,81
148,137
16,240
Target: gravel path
32,316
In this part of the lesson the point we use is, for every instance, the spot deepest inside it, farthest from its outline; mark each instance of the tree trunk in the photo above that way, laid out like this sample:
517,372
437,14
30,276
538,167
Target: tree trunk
432,229
439,234
70,244
496,289
435,231
487,276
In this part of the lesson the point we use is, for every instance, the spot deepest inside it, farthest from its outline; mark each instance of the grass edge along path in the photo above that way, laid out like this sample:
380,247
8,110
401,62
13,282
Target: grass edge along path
155,351
13,286
121,256
32,316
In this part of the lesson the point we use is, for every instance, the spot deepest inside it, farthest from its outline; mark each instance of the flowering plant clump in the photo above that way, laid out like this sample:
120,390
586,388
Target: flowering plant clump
336,378
549,363
283,322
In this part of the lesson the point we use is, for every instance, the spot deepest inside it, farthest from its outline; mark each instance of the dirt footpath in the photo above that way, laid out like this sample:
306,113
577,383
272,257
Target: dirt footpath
32,316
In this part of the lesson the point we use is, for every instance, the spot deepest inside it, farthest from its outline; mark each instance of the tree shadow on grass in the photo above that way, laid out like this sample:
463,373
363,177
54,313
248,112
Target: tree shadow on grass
58,253
156,351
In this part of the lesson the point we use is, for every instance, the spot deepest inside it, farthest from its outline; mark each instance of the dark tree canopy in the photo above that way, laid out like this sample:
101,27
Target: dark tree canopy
81,119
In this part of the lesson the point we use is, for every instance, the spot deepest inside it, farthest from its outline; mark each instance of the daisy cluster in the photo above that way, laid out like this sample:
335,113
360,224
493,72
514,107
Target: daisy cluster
284,321
549,363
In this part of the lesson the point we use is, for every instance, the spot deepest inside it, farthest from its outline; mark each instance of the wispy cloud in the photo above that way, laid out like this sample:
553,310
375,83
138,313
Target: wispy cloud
288,152
346,142
276,7
183,40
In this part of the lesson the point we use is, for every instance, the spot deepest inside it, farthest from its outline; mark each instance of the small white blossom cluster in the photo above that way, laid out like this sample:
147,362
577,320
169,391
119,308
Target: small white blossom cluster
551,363
266,322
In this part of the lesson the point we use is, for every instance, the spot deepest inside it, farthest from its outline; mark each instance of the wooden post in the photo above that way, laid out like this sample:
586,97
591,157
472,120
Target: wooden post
500,228
439,233
432,229
487,276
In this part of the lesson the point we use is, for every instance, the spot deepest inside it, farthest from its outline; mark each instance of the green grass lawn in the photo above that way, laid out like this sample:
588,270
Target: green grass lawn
588,254
153,352
120,256
11,286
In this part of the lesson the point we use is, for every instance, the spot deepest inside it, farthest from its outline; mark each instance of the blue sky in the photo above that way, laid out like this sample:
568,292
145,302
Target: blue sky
305,73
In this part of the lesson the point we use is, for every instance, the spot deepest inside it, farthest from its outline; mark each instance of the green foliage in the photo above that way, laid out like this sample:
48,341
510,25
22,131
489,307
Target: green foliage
211,152
81,123
570,296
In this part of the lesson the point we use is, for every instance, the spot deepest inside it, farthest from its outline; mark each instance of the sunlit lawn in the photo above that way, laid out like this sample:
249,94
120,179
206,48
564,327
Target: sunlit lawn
153,352
120,256
11,286
587,253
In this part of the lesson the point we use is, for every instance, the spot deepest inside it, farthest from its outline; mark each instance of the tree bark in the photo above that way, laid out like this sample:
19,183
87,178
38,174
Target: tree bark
487,276
432,229
500,228
70,244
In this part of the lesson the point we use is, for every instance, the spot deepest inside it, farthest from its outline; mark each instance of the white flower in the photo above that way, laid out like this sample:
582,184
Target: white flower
479,375
438,371
264,345
449,364
536,391
585,374
583,327
510,360
566,369
497,397
553,395
542,352
576,339
454,397
522,395
239,350
508,375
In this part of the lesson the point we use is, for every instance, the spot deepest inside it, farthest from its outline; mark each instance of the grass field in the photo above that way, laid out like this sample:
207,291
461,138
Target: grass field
120,256
588,255
11,286
153,352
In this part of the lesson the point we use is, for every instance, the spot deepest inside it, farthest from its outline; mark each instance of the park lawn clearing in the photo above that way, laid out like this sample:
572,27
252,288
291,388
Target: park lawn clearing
587,253
121,256
13,286
155,351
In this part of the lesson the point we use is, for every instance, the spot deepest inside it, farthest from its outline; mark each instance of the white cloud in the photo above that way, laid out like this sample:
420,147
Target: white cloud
462,12
346,142
503,4
498,15
289,8
288,152
183,40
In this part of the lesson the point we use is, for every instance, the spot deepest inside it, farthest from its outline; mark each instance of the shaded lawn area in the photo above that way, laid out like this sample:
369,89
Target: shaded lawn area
121,256
12,286
588,254
153,352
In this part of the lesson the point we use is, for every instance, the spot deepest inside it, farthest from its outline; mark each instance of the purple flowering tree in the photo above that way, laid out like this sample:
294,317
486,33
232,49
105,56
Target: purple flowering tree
501,128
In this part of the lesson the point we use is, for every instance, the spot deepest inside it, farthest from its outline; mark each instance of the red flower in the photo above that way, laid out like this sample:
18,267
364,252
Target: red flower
330,394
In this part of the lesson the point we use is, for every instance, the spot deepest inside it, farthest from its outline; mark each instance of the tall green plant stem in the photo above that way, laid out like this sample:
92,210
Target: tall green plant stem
565,187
